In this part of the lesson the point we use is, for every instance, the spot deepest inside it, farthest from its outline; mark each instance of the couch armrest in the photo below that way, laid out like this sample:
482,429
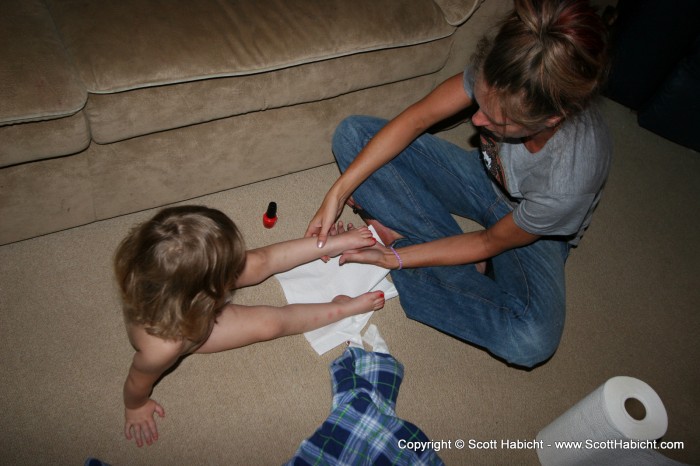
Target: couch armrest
458,11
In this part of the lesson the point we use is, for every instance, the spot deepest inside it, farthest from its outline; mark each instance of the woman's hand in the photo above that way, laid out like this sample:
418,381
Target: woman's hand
444,101
375,255
325,218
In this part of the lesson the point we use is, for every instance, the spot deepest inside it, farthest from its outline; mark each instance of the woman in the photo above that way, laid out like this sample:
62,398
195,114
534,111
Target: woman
545,155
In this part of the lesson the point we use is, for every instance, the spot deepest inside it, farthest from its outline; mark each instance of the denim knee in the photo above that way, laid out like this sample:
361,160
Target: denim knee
530,349
351,135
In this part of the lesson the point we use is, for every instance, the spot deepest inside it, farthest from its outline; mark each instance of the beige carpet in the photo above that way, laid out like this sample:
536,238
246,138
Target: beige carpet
633,294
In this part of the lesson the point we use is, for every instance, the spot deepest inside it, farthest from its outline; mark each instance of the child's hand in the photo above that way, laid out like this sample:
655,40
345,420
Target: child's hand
141,421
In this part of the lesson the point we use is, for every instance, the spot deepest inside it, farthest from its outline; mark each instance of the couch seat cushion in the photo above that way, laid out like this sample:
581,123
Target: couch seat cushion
37,83
123,115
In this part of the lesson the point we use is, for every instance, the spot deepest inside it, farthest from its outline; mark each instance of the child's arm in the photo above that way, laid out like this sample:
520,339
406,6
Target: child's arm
148,365
243,325
264,262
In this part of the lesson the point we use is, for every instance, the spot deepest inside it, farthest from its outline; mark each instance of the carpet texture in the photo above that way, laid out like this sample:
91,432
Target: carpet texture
632,299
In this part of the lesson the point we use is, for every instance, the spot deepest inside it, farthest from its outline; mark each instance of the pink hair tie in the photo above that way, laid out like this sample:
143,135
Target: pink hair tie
398,258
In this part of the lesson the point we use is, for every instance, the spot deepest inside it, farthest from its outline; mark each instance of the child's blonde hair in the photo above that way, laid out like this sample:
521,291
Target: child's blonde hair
176,271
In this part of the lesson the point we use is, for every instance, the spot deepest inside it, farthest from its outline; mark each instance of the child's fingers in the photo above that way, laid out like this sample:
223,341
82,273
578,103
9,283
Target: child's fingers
137,436
143,433
147,433
148,437
152,434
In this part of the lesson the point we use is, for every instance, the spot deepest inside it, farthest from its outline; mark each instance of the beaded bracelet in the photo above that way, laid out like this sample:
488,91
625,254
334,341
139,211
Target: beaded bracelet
397,257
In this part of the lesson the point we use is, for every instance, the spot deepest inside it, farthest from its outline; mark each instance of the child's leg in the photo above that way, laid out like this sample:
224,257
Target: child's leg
238,326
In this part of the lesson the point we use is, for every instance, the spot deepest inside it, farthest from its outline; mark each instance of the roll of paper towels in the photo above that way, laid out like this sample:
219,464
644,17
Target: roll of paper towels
616,424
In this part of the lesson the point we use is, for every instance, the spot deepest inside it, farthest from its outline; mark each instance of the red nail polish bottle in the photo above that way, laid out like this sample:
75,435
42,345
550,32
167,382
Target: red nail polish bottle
270,217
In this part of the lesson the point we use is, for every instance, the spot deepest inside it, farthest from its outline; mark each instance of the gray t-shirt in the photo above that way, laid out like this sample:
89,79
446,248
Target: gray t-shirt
553,191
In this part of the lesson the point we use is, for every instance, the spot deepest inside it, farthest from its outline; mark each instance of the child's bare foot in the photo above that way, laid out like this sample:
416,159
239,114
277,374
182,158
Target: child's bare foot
352,238
386,234
341,239
357,238
370,301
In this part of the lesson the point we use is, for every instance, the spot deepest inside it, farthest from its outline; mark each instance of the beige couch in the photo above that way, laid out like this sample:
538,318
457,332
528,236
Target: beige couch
113,106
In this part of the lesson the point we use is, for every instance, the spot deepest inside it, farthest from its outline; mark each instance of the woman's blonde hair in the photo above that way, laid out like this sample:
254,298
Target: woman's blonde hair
548,58
176,270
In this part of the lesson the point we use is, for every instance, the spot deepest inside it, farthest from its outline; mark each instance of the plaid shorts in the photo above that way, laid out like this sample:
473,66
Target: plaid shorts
362,428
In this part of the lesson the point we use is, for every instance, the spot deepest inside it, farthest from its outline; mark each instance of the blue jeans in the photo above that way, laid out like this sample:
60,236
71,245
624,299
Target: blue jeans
517,311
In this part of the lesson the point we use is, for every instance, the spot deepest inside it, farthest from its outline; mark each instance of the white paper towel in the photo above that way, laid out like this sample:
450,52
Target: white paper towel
319,282
607,432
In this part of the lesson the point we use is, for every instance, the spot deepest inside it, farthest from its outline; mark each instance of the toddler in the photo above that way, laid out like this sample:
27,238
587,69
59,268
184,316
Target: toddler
177,272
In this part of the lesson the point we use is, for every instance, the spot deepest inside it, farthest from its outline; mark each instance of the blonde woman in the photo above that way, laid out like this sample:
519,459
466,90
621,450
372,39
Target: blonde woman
544,158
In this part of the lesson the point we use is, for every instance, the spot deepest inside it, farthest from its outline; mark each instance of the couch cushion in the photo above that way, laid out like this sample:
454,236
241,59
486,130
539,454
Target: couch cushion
126,44
36,140
123,115
46,196
148,63
37,82
458,11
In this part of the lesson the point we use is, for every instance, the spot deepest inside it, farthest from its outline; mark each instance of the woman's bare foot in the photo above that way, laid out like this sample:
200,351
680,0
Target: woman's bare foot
386,234
336,228
370,301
